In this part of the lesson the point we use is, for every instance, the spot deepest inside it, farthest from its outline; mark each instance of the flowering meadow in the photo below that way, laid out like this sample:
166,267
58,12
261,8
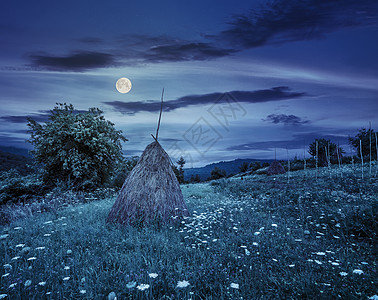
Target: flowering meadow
308,236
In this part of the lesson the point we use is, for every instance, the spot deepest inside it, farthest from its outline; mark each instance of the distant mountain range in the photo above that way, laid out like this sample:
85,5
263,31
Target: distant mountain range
14,161
231,167
19,157
14,150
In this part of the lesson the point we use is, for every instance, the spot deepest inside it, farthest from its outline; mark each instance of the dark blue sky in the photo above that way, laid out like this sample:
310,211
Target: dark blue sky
241,78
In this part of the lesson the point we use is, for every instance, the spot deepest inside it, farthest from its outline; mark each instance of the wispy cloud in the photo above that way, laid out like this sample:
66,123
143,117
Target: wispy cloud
285,119
284,21
133,50
41,117
276,22
299,141
258,96
80,61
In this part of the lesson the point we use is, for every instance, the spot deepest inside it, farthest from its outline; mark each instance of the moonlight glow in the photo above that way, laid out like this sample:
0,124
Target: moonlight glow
123,85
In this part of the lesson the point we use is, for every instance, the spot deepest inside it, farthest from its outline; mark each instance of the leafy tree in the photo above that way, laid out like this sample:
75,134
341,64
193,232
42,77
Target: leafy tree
244,167
122,170
217,173
195,178
364,135
255,165
180,170
80,149
325,146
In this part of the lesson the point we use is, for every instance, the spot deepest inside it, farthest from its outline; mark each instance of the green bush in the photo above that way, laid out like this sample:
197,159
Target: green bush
80,149
217,173
122,171
17,188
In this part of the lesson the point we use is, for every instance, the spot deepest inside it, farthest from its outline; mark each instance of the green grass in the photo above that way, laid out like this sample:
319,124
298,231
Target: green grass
274,239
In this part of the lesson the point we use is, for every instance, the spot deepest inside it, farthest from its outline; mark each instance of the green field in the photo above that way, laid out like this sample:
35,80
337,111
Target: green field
309,236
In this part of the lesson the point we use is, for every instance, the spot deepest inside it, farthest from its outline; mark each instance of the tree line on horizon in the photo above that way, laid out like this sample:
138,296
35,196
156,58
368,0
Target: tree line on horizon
82,151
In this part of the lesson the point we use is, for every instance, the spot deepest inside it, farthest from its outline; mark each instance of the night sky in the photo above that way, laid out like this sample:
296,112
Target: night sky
241,78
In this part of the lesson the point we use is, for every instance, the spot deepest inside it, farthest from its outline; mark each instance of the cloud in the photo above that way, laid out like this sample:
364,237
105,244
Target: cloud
266,95
299,141
80,61
185,51
91,40
277,22
285,119
129,51
11,141
42,117
282,21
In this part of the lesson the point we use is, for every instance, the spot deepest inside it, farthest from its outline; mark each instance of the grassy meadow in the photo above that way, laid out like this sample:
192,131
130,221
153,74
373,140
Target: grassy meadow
312,235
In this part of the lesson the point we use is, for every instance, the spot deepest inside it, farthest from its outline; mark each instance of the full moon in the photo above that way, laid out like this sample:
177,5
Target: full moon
123,85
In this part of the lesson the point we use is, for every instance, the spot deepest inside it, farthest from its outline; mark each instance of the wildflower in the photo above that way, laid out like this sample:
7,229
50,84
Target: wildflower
42,283
153,275
4,236
66,278
83,292
143,286
183,284
112,296
131,284
27,283
234,285
357,271
343,273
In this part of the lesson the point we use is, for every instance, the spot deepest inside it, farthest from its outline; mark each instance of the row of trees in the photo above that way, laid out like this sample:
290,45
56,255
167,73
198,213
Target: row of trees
83,150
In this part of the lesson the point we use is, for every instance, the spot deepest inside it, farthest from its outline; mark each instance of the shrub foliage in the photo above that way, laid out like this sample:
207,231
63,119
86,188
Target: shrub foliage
77,148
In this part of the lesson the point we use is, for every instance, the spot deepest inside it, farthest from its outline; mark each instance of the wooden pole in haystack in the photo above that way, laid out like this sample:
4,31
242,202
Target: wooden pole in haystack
151,193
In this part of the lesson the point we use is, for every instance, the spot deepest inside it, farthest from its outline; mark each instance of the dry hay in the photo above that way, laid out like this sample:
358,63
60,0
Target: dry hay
151,193
275,168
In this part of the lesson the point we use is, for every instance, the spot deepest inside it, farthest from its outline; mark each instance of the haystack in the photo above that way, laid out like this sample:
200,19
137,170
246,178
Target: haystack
275,168
151,193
